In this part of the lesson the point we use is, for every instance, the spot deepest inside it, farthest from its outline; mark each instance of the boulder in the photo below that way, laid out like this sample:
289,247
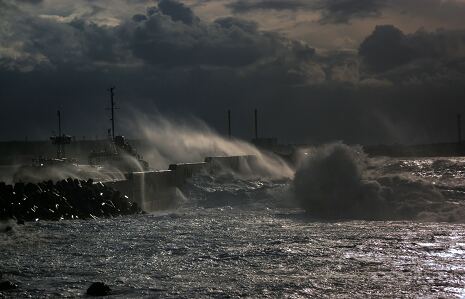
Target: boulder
7,285
98,289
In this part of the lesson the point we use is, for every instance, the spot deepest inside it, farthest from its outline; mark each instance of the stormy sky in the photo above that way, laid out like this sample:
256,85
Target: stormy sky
361,71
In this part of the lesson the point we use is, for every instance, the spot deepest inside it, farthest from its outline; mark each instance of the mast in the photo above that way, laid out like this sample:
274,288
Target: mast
59,122
459,129
61,139
229,123
256,123
60,146
112,94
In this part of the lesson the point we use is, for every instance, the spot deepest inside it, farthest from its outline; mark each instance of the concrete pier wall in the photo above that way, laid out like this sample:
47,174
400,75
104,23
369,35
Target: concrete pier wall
184,171
151,190
158,190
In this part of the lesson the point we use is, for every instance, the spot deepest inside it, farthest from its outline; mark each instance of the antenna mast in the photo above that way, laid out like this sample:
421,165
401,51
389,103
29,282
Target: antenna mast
59,122
112,94
60,146
229,123
459,128
61,139
256,123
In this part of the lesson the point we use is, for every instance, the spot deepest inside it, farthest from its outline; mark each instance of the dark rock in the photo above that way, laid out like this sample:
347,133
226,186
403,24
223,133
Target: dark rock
7,285
66,199
98,289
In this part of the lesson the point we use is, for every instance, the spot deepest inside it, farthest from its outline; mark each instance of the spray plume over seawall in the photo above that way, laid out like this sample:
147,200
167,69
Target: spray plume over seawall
30,174
335,182
172,141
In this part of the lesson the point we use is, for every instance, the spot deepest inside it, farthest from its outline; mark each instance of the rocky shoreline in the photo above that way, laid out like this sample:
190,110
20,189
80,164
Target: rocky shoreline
65,199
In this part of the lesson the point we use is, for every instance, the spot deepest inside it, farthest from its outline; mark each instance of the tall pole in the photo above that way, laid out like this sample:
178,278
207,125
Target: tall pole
112,94
59,123
229,123
256,123
459,128
59,135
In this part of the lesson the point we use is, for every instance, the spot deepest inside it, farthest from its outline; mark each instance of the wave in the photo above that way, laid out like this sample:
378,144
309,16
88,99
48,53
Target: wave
231,190
336,182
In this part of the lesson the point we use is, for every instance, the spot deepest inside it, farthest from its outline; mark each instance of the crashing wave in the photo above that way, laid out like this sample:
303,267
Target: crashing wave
335,183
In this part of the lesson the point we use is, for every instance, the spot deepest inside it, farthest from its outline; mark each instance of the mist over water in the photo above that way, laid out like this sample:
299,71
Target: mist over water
56,173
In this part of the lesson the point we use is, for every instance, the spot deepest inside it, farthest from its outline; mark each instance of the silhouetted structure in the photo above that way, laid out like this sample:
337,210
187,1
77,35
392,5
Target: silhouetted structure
269,143
459,128
60,140
119,153
256,123
229,123
47,168
112,108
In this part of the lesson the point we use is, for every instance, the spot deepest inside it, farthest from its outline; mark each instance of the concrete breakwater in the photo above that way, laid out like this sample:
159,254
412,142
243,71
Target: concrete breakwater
158,190
80,199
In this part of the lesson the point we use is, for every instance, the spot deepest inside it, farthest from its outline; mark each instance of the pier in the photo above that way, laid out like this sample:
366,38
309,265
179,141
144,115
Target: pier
159,190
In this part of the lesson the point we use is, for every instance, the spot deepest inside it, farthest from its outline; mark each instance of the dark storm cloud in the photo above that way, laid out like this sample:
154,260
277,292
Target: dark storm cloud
342,11
177,11
242,6
170,41
332,11
139,18
170,58
170,35
345,11
388,47
48,43
385,48
77,43
30,1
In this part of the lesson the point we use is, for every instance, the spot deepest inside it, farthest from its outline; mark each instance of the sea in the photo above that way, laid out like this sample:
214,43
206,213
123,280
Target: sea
233,237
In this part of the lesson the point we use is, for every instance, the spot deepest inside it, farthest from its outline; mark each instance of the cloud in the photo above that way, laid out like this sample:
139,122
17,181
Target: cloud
332,11
183,64
168,35
241,6
342,11
166,38
388,47
31,1
29,42
385,48
177,11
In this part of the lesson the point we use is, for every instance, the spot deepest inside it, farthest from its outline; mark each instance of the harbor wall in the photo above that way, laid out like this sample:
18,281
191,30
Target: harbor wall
151,190
159,190
183,171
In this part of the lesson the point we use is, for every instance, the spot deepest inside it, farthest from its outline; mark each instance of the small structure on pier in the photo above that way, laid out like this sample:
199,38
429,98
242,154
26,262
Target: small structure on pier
44,168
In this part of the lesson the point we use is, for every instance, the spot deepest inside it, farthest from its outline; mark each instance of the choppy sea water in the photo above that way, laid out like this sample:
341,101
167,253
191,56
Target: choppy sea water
245,238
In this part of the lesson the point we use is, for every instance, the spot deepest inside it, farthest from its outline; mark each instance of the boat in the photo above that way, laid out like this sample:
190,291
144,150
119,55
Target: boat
43,168
118,155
